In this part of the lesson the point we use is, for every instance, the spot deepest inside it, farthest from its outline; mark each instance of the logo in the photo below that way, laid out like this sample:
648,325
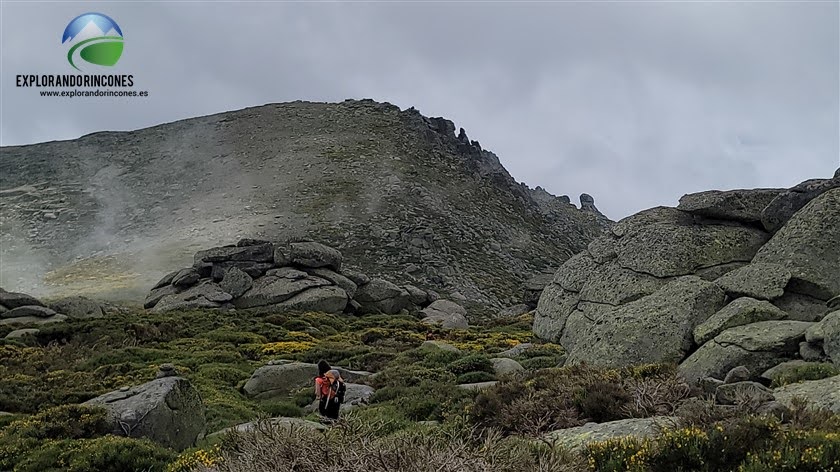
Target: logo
93,38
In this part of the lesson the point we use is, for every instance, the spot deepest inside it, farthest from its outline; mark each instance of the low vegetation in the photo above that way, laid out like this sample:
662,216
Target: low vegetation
417,420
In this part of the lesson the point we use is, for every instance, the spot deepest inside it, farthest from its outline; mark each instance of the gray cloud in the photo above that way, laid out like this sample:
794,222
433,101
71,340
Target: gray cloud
634,103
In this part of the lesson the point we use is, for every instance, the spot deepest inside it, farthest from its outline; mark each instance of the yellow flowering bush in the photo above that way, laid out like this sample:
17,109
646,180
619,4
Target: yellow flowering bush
189,460
287,347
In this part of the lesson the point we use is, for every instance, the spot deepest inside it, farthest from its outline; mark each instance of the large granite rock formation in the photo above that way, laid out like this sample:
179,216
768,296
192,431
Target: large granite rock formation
726,279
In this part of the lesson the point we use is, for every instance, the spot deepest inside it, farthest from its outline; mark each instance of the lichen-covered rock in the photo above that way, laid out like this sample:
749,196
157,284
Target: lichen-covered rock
416,295
801,307
186,278
657,328
578,438
11,300
168,411
674,250
205,294
330,299
761,280
504,366
19,333
346,284
776,373
742,311
824,393
827,332
737,205
737,374
381,296
807,246
751,392
786,204
757,346
256,253
440,345
308,254
78,307
271,290
236,282
33,320
29,311
278,380
446,313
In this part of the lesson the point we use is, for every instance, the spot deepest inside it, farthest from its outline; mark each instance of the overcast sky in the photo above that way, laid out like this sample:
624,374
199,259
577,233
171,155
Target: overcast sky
635,103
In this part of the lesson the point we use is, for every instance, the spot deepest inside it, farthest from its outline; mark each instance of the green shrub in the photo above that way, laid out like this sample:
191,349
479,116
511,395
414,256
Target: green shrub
473,363
602,401
228,335
814,371
282,408
475,377
540,362
105,454
62,422
543,350
411,375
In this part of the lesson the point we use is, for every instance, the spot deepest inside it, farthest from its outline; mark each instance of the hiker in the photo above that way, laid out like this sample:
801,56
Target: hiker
329,390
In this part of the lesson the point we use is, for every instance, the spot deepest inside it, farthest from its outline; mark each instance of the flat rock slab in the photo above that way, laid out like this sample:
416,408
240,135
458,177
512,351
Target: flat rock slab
478,385
278,380
308,254
737,205
78,307
19,333
578,438
12,300
256,253
29,311
271,290
33,320
742,311
281,423
756,346
762,280
824,393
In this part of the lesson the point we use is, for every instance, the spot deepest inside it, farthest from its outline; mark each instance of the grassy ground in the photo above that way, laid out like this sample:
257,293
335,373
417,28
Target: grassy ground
417,420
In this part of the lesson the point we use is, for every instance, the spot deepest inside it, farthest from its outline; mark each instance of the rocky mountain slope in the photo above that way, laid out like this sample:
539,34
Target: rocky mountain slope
400,194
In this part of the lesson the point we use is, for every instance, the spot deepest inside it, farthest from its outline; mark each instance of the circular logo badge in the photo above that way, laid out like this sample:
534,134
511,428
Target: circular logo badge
93,38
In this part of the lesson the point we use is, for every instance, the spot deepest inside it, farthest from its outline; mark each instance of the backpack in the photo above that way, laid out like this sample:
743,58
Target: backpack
336,385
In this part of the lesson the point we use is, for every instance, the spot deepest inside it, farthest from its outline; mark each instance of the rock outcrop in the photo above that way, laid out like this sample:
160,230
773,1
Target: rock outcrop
168,411
297,275
22,309
824,393
726,279
277,380
639,428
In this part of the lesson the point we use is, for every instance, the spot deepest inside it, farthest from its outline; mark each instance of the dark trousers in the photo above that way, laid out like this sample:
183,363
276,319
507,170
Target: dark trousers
329,409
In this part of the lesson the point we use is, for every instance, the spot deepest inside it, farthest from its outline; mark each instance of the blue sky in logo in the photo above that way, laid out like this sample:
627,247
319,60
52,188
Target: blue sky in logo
104,22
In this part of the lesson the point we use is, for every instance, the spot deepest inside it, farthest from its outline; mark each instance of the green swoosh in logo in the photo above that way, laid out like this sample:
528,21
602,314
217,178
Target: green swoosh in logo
105,50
